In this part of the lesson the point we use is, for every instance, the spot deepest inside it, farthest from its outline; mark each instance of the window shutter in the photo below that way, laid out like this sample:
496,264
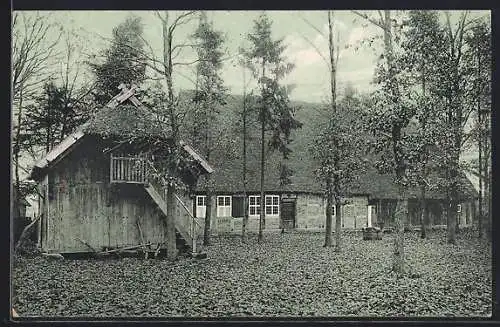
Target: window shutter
237,208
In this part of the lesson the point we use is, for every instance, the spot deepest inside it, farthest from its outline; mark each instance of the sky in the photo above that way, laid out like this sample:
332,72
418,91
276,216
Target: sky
310,76
300,31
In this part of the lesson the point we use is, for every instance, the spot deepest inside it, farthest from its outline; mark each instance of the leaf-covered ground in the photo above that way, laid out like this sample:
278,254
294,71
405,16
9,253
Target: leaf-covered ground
288,274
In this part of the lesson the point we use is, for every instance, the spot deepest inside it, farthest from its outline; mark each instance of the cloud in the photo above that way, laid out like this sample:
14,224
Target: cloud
357,34
305,52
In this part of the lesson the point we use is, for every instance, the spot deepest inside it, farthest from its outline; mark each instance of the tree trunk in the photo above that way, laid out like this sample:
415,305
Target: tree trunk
208,212
480,153
455,185
423,213
399,221
451,221
487,193
262,222
170,224
455,119
338,226
245,204
333,190
487,175
245,219
328,223
452,214
262,167
167,62
208,148
17,147
401,205
401,210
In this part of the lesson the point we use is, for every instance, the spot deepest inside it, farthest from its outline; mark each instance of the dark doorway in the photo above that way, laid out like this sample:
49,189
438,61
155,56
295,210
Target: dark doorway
288,213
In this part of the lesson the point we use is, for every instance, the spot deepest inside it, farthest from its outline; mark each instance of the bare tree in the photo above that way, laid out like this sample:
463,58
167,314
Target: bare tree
34,42
166,69
63,103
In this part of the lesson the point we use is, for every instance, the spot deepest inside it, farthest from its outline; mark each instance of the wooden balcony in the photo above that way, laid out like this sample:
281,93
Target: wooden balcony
131,170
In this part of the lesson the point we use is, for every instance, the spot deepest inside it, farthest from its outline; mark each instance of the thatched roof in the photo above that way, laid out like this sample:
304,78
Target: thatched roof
127,120
228,174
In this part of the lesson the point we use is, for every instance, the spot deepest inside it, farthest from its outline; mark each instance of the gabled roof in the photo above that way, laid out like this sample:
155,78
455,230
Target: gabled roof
62,149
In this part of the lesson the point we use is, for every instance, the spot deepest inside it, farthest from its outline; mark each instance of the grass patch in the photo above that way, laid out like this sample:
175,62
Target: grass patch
287,274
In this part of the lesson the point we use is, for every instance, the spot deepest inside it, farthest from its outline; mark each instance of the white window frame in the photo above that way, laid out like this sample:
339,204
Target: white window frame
256,205
201,210
224,210
272,206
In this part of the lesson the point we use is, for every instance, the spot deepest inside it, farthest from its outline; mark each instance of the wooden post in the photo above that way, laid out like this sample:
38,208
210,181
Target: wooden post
193,236
46,207
40,213
111,167
369,222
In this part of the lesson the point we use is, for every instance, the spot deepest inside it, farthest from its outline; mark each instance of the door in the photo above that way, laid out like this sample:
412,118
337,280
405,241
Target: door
288,213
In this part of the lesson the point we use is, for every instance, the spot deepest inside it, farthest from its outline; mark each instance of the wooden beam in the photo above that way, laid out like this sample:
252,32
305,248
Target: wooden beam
46,208
124,248
86,244
197,157
53,255
24,233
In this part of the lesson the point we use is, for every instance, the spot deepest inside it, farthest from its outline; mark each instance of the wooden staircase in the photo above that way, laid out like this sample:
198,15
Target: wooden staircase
188,230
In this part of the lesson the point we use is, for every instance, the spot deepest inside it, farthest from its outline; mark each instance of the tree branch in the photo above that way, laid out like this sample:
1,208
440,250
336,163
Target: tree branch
316,49
312,26
371,20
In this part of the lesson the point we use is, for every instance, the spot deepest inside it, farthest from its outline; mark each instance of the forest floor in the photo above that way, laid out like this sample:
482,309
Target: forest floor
286,275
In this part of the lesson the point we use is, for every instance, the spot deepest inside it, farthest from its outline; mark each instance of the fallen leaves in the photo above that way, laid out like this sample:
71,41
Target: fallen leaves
287,274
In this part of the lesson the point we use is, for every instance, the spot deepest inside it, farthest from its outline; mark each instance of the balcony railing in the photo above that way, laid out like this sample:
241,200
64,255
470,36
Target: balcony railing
128,170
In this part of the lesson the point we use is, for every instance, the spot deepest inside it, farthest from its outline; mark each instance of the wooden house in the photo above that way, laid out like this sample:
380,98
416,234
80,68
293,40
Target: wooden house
301,204
101,192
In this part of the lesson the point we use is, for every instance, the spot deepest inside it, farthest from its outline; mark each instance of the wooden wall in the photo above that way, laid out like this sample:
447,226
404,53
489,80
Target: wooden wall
311,212
436,212
83,205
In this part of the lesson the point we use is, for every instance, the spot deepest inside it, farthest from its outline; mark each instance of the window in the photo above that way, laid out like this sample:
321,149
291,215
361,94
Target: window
272,205
201,207
459,208
223,206
254,205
